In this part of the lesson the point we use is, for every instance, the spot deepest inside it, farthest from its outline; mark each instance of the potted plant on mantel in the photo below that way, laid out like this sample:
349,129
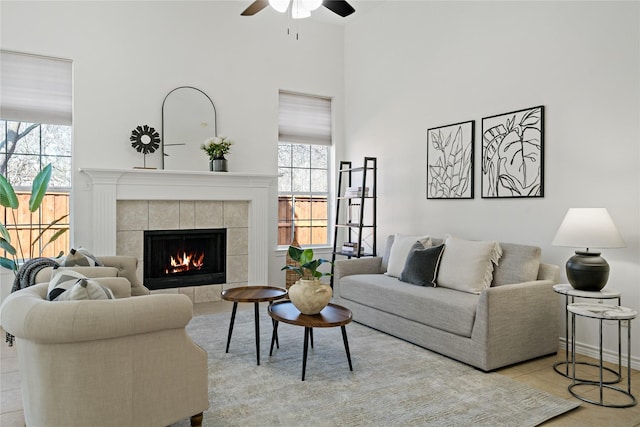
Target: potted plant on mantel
308,294
216,148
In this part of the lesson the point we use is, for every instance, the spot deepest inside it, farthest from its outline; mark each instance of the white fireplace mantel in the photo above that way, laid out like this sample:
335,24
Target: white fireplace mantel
111,185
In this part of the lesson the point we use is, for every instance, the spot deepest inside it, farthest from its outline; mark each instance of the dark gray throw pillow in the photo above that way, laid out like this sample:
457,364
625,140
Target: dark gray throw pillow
421,267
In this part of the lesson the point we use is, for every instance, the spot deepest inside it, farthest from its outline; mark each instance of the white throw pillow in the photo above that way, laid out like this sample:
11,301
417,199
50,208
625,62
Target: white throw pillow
467,265
86,289
80,257
61,280
400,248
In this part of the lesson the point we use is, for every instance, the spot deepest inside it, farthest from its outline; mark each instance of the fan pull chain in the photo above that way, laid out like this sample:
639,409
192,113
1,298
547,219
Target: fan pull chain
289,25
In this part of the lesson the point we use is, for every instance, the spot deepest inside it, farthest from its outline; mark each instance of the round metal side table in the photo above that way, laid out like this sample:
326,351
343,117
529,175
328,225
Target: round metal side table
568,291
602,312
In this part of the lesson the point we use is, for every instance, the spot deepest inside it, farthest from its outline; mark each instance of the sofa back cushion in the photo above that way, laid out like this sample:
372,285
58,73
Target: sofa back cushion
519,263
387,252
46,274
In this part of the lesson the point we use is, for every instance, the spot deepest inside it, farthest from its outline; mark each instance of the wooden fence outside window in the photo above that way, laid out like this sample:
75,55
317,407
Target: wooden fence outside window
26,226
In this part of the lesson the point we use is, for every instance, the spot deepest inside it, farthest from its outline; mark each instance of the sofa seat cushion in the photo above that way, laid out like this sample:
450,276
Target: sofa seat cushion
441,308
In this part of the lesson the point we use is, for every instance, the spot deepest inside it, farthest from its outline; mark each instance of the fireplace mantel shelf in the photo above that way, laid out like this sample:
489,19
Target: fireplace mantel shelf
110,185
174,177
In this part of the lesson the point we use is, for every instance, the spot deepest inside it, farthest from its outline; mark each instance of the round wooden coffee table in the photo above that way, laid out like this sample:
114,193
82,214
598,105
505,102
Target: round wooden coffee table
256,295
331,316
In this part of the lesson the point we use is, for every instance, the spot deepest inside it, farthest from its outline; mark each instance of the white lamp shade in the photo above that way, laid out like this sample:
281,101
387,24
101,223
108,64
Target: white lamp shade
280,5
588,228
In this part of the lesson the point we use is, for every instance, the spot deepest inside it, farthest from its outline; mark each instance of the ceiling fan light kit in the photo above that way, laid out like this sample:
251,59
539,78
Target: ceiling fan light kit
300,8
279,5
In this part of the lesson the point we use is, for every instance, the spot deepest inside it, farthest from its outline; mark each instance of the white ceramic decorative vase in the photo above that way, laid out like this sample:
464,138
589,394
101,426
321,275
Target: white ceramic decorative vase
310,296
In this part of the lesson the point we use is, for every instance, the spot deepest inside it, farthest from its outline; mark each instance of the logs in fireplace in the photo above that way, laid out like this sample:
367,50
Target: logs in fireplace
179,258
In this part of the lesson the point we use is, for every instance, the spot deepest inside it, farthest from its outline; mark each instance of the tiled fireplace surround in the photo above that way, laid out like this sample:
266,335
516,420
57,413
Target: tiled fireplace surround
127,202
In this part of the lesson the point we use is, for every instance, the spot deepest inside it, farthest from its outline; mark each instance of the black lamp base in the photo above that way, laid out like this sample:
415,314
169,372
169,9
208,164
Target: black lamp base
587,271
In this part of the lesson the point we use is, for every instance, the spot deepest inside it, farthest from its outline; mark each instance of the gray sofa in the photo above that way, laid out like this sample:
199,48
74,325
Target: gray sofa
507,323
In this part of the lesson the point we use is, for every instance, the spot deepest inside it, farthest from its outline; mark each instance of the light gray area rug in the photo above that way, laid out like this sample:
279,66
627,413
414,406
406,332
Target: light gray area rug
393,383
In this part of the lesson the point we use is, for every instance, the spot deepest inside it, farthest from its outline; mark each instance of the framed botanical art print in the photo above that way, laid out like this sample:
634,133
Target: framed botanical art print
450,161
513,154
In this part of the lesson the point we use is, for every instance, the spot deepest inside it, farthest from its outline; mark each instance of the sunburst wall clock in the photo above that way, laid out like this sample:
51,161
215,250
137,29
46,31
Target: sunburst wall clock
145,139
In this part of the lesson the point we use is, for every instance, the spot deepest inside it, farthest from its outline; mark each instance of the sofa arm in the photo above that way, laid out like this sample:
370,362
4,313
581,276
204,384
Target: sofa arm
518,321
27,314
549,272
349,267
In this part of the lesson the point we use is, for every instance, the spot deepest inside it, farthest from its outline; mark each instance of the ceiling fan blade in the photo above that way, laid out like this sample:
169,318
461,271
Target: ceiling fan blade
255,7
340,7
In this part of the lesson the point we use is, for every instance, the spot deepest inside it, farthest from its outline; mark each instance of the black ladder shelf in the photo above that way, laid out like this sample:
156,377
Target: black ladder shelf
356,210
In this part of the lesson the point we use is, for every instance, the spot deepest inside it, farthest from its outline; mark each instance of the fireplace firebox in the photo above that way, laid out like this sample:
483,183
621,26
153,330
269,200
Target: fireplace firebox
179,258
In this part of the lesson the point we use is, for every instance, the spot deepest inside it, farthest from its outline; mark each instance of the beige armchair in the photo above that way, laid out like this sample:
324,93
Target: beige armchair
122,362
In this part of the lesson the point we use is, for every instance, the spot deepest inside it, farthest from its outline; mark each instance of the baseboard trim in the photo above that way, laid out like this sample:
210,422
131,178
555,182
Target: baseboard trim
607,355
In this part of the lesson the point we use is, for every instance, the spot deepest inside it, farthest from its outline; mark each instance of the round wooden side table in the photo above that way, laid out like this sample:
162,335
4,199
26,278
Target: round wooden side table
332,315
256,295
602,312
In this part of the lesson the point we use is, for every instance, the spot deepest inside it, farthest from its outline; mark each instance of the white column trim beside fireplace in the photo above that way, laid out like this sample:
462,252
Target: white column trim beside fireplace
111,185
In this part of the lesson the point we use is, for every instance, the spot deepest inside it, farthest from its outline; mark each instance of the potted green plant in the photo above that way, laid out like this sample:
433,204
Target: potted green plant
216,148
9,199
308,294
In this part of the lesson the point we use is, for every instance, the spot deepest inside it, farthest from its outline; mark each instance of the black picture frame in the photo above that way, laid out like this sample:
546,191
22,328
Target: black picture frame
450,154
513,154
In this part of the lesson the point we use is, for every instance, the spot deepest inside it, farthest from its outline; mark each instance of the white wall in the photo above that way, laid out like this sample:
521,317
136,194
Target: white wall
128,55
406,67
413,65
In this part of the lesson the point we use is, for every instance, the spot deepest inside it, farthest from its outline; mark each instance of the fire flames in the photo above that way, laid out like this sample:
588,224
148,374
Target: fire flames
185,262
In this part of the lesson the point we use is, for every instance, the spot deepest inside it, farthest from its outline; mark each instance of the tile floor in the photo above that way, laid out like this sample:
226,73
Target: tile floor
538,373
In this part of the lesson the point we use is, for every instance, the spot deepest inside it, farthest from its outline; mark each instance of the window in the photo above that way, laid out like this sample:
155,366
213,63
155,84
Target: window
304,125
35,130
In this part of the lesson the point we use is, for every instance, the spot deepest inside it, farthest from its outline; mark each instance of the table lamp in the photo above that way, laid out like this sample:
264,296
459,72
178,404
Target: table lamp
588,228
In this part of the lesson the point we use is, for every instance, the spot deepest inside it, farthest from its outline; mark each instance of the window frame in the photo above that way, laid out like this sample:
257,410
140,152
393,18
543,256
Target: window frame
318,195
305,120
37,222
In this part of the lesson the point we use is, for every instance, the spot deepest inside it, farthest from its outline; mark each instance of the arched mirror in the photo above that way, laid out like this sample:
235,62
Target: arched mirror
188,118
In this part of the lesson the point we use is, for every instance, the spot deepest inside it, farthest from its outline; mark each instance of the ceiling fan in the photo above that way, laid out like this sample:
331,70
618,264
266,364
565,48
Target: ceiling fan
300,8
